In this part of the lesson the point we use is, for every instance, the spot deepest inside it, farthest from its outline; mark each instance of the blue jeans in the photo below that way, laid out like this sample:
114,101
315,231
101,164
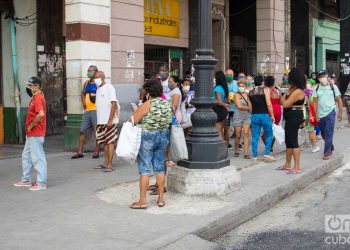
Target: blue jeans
327,131
152,151
261,121
33,155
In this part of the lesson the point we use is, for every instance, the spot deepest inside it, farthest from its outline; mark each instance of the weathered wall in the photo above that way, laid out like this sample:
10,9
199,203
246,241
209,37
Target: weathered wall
26,53
27,65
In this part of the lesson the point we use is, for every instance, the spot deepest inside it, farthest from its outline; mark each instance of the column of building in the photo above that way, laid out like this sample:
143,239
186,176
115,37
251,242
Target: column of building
127,41
270,37
87,43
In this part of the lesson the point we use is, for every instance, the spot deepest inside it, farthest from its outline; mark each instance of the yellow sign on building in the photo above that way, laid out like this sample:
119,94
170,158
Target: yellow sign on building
162,17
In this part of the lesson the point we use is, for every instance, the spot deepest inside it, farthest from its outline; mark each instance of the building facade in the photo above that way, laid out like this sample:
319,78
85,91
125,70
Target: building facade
128,40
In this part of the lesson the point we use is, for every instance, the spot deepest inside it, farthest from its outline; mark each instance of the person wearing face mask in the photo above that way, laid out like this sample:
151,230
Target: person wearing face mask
284,86
232,89
250,83
164,79
107,108
33,153
326,99
89,120
241,118
187,106
175,98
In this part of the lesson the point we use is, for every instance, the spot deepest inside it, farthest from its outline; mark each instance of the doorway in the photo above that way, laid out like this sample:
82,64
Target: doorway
50,59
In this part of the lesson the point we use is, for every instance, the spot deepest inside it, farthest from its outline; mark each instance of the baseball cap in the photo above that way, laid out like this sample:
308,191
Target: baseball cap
34,81
322,73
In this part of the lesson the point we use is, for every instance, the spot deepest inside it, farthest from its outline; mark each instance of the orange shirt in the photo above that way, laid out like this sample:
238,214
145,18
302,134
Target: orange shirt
90,96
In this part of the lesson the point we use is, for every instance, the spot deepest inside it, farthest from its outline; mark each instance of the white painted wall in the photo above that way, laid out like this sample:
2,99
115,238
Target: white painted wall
26,53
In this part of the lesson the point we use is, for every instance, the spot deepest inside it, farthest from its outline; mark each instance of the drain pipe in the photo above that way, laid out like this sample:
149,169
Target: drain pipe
15,79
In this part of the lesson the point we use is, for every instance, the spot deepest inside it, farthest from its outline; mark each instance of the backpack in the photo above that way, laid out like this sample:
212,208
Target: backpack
332,87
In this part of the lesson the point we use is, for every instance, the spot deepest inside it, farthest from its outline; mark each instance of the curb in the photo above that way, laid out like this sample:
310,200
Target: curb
238,216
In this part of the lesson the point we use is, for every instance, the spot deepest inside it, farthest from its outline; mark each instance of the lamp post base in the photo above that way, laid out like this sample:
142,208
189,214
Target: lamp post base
206,182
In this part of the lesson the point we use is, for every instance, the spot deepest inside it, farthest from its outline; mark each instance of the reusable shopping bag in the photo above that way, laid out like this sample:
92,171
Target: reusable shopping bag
278,133
177,144
129,141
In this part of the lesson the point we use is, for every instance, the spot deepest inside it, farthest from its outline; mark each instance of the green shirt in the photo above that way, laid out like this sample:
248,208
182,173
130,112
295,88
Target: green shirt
158,117
325,99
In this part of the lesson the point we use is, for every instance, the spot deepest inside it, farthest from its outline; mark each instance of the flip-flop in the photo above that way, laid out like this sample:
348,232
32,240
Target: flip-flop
77,156
152,188
95,155
138,205
294,172
107,170
282,168
161,204
100,167
247,157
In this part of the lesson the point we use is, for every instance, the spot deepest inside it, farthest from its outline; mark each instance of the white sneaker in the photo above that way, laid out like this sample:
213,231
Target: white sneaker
315,149
269,158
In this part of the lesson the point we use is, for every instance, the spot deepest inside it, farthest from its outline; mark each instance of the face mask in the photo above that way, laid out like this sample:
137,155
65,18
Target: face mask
171,85
229,78
163,74
186,89
29,92
323,81
98,82
250,84
241,89
90,74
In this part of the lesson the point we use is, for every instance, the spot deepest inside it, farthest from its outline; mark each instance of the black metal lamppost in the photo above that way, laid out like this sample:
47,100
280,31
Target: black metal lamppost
205,148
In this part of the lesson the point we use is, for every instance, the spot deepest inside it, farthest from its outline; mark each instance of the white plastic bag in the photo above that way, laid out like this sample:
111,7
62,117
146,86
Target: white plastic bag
129,141
177,144
278,133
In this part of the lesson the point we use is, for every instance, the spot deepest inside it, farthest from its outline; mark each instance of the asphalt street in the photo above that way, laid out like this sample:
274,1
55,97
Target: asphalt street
298,222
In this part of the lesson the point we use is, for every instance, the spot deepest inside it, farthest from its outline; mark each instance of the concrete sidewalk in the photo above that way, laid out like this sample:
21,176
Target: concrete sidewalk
84,208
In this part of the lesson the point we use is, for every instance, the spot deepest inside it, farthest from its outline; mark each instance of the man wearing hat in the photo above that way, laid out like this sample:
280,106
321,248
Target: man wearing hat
326,98
33,154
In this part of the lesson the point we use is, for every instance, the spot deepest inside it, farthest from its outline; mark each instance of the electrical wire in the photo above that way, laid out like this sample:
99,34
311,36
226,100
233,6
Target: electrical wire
244,10
326,14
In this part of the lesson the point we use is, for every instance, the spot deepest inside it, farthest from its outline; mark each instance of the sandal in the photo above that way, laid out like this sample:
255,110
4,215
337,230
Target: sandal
95,155
152,187
107,170
282,168
77,156
155,192
161,204
247,157
294,171
100,167
138,205
236,154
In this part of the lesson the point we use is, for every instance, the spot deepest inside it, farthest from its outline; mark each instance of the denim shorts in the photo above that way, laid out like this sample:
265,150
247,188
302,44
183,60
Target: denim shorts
152,151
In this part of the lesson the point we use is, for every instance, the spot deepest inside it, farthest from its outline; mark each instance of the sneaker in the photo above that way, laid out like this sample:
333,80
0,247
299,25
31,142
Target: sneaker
22,184
37,187
240,147
229,146
315,149
269,158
